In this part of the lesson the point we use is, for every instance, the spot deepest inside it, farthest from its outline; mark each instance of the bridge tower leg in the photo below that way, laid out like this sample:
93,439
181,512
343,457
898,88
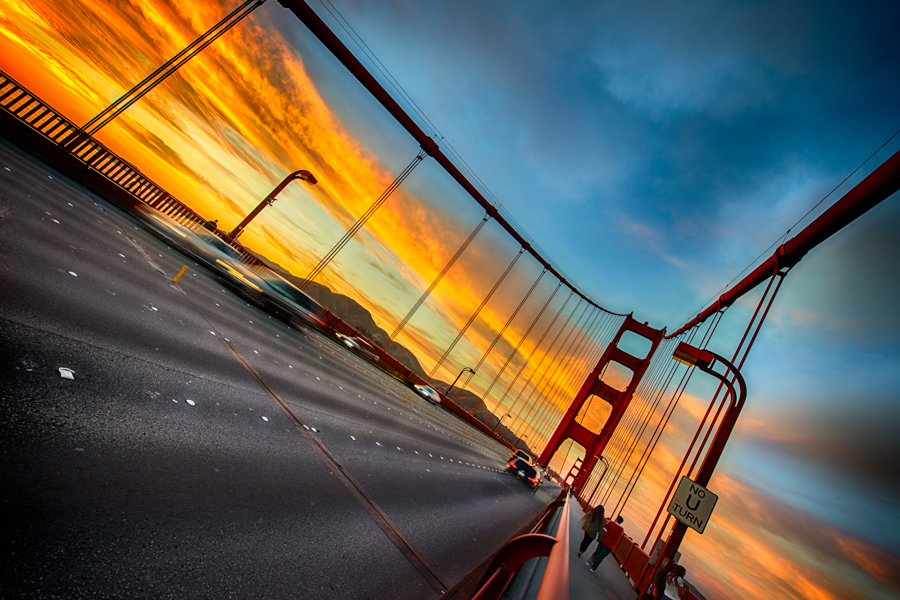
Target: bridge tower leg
595,443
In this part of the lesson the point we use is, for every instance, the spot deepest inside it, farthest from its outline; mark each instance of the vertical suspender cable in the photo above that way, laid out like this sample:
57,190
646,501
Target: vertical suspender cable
471,320
499,335
435,283
363,219
536,346
521,341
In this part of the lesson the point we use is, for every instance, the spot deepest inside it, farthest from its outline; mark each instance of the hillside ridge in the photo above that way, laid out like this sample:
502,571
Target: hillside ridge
358,317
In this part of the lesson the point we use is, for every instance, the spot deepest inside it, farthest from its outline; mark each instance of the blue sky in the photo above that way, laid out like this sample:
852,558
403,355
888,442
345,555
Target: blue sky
667,141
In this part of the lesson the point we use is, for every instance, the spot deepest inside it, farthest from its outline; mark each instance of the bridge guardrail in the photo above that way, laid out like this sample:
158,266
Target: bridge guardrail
98,164
509,560
42,128
634,562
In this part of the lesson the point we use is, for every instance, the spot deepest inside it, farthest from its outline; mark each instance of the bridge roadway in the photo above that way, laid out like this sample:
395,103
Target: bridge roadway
115,486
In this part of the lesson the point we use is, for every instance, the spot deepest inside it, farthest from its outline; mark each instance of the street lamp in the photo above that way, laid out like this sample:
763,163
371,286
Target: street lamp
521,439
501,420
268,200
704,360
605,466
447,393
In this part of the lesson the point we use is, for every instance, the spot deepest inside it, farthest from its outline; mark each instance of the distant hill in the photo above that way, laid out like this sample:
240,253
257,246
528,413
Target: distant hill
351,312
470,401
695,591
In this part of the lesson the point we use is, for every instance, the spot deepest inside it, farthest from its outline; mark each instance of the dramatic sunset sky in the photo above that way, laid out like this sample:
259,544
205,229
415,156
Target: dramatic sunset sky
652,151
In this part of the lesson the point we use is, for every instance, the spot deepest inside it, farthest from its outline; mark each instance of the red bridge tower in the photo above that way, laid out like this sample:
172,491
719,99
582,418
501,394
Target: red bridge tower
595,443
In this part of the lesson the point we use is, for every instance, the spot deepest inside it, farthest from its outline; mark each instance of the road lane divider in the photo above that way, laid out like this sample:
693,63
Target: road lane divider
375,512
412,554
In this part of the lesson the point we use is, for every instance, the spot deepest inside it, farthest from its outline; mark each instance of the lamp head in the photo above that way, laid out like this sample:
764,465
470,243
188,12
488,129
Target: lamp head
693,357
308,177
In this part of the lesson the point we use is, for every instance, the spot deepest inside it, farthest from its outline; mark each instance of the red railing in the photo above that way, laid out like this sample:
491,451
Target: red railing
509,560
634,561
41,128
88,160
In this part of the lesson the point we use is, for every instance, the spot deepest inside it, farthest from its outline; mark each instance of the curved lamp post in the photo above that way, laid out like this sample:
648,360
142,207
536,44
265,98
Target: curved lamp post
268,200
501,420
703,360
469,369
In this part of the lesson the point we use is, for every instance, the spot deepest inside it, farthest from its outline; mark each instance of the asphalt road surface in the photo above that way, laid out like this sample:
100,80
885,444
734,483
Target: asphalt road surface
178,465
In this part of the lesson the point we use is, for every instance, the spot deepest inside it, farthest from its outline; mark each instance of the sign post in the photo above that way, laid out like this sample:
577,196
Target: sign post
692,504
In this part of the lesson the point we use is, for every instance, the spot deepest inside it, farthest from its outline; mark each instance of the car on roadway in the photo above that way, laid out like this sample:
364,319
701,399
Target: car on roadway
359,346
429,393
260,286
524,470
194,241
290,302
523,455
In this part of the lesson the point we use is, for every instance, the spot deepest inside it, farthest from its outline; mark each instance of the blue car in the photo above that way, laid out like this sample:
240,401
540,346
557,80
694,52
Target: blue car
524,470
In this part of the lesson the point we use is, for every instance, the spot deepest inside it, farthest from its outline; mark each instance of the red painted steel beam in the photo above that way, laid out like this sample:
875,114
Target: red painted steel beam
318,28
555,583
879,185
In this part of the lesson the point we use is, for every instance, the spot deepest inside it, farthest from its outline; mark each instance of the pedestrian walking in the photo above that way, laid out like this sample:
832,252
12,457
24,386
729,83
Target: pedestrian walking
592,524
612,535
675,585
658,589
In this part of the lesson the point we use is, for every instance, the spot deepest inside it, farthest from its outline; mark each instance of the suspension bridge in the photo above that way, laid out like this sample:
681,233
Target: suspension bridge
636,371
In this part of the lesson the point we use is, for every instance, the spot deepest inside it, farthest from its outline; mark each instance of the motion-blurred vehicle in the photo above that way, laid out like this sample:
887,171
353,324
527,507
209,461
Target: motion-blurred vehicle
290,302
428,393
524,470
359,346
206,248
264,288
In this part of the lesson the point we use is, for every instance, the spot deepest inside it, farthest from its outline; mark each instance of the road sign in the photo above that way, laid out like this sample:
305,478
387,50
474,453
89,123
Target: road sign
692,504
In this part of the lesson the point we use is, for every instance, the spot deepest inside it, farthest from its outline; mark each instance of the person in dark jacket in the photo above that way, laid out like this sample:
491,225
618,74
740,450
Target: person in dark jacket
592,524
613,532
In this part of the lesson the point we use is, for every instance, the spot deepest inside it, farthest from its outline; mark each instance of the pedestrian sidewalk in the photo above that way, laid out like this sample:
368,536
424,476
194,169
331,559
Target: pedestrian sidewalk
608,582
